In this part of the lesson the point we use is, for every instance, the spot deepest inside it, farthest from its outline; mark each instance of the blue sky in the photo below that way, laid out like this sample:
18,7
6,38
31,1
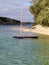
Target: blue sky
12,9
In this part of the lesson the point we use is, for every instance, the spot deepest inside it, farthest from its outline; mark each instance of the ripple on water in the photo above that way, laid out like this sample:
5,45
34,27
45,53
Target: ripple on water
24,51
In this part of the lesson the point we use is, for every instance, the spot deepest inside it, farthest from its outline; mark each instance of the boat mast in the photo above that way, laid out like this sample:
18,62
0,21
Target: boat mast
21,22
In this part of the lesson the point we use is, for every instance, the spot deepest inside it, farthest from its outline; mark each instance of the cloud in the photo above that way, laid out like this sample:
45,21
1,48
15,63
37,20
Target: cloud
5,9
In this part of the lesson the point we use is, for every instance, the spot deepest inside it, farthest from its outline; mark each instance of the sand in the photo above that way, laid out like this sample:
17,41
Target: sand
38,29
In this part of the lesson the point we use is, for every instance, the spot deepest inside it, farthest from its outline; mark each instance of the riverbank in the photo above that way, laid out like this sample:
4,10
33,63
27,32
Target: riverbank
41,30
36,29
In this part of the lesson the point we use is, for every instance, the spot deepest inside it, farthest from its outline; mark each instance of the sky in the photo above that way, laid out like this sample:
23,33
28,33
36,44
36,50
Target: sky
12,9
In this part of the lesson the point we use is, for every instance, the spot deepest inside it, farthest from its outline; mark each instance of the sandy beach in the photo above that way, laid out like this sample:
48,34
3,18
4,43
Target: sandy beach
38,29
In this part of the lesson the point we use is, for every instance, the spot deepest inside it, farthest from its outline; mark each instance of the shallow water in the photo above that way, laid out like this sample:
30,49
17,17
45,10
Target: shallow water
22,51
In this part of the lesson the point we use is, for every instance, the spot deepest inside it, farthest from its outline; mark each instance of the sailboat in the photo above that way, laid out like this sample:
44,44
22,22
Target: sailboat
23,36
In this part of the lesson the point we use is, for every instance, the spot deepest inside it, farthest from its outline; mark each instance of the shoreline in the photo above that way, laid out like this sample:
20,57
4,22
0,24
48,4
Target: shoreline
38,29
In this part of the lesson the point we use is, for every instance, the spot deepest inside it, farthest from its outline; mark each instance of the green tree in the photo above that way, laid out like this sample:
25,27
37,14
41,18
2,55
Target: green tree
40,10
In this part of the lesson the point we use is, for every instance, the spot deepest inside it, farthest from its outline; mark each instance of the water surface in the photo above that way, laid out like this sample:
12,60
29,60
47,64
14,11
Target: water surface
22,51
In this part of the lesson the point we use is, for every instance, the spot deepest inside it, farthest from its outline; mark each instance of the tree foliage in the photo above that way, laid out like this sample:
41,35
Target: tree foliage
41,12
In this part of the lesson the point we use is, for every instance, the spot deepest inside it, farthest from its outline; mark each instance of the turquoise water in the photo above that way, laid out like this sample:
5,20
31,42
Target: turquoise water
22,51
